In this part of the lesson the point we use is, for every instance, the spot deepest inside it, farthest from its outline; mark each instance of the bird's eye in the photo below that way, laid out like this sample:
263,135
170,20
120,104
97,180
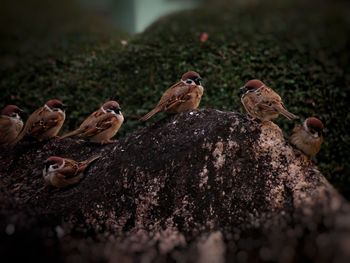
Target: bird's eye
189,81
55,166
313,131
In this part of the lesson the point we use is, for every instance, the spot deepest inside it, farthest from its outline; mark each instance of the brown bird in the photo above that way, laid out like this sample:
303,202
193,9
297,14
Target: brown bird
11,124
262,102
183,96
308,137
101,125
45,122
61,172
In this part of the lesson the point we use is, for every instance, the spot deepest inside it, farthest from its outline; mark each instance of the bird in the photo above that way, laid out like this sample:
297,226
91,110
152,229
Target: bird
11,124
61,172
262,102
101,125
184,95
308,137
45,122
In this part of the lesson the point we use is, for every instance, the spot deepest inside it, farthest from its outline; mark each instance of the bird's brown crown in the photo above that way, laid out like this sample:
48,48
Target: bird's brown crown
190,75
53,160
55,104
111,105
254,84
314,124
9,109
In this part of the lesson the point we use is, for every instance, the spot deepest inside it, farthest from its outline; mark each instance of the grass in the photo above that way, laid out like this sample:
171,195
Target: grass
299,50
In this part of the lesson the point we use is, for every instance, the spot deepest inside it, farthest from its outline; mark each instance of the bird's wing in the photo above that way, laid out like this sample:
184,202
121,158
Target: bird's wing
4,122
84,125
70,169
173,96
266,99
92,117
47,121
172,93
33,119
101,124
86,163
179,93
268,94
265,106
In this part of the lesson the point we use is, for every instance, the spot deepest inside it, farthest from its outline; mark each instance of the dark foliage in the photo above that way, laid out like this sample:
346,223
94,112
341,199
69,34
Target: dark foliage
299,50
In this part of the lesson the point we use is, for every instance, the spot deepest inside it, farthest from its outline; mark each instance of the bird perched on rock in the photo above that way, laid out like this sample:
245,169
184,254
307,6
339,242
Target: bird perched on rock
182,96
11,124
101,125
45,122
262,102
308,137
61,172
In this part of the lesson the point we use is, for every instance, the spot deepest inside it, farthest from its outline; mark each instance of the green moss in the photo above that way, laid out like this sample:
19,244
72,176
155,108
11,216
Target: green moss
300,51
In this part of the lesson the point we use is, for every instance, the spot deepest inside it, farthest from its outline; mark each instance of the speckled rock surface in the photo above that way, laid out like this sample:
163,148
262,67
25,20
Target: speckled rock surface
201,186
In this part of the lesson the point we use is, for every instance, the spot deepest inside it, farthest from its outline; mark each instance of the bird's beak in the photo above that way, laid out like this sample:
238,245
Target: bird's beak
118,111
21,113
198,81
243,90
64,106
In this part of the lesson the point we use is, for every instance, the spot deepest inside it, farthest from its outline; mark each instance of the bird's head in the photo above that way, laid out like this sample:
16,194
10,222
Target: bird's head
12,111
191,78
314,126
252,85
111,107
55,105
53,163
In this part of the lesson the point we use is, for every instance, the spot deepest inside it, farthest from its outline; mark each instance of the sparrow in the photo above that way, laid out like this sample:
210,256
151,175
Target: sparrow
262,102
308,137
45,122
182,96
61,172
11,124
101,125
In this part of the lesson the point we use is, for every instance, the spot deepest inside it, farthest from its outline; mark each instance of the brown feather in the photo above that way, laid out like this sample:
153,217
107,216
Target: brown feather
265,104
90,119
305,142
174,99
10,128
42,124
83,165
102,123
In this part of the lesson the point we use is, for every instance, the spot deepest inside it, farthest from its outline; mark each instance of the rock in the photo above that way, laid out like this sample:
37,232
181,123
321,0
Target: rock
200,186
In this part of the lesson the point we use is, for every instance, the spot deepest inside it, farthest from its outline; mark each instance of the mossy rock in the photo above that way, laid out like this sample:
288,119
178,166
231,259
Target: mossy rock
299,50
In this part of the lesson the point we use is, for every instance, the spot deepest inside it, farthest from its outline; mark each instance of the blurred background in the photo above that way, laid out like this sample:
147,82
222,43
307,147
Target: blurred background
134,16
87,51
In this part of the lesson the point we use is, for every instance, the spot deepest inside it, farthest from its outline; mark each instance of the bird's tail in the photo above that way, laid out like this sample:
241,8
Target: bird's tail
287,114
87,162
70,134
150,114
